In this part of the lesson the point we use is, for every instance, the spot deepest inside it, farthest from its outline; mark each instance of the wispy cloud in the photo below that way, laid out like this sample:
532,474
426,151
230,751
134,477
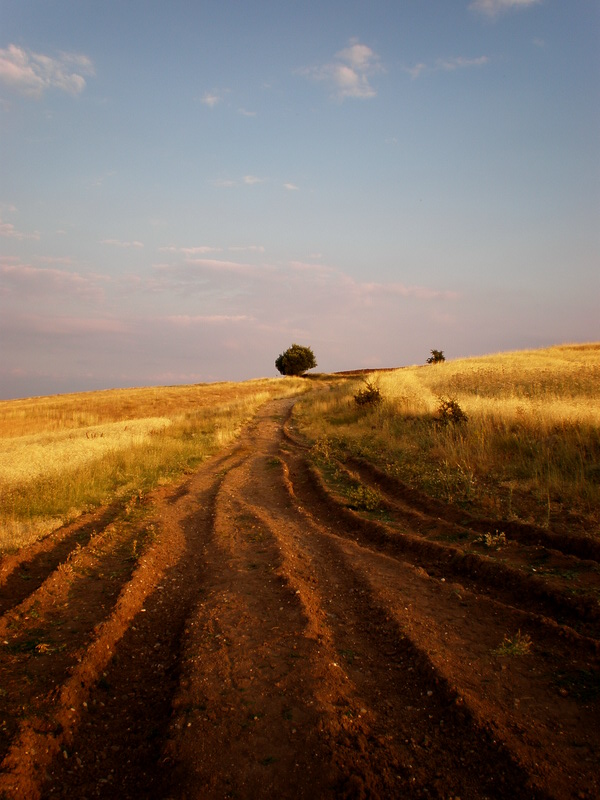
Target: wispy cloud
492,8
362,291
205,249
291,187
8,231
450,64
222,266
64,260
349,74
416,70
187,321
291,281
247,248
371,290
246,113
119,243
213,98
69,326
447,65
20,279
247,180
250,180
99,181
191,251
32,74
189,275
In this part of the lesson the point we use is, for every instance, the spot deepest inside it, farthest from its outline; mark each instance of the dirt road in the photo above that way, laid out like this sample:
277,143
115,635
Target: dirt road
245,635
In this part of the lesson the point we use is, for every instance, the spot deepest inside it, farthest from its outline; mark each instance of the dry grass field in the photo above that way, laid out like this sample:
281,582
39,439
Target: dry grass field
62,455
529,448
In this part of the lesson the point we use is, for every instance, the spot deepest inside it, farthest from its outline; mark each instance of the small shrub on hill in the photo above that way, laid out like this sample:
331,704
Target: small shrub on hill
369,396
436,357
449,411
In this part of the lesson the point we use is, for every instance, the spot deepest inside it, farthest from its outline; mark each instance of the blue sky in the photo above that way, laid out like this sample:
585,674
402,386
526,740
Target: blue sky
187,188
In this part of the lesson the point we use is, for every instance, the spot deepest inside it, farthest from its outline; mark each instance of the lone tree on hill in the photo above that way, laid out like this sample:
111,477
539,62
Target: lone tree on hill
296,360
436,357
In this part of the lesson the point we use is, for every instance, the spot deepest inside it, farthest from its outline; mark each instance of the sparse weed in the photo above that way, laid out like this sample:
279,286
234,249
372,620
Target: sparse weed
134,501
65,569
493,541
518,645
323,449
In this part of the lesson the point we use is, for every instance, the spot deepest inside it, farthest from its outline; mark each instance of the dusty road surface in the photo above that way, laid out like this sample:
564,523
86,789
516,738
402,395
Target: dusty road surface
246,635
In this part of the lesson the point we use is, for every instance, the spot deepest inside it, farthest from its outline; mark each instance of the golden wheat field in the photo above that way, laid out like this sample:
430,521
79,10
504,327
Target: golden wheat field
528,449
65,454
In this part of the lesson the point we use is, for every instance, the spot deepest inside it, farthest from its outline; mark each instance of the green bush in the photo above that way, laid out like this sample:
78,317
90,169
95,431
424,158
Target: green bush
296,360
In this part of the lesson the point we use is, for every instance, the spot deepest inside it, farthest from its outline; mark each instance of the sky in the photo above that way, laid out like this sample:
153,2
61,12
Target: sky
189,187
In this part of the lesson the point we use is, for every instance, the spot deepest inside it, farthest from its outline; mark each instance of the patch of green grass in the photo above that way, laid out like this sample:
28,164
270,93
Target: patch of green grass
363,498
325,454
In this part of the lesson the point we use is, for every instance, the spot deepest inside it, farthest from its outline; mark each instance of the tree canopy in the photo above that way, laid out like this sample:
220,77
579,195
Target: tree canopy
436,357
296,360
